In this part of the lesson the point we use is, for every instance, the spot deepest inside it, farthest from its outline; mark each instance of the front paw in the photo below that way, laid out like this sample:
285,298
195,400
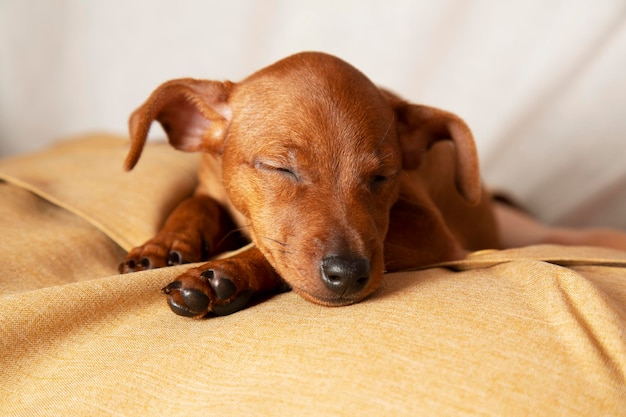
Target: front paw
165,250
205,290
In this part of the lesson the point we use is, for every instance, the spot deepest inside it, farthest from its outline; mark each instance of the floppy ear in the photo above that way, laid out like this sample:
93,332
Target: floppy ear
194,113
419,127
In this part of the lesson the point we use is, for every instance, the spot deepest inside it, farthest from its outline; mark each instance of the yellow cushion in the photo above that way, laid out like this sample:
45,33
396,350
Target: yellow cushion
533,331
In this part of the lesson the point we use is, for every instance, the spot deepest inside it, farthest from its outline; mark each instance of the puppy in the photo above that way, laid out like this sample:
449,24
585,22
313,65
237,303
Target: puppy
334,180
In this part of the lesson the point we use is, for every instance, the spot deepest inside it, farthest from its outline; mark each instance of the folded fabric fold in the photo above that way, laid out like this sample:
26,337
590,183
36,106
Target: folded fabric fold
556,254
85,176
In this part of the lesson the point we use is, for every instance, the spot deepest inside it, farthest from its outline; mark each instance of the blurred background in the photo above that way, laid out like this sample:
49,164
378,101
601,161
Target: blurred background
542,83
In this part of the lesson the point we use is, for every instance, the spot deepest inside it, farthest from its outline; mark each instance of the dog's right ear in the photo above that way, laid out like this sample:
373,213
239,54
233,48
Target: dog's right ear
195,114
419,127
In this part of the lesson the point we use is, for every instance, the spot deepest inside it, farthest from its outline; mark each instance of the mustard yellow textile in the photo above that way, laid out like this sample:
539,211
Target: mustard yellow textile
538,331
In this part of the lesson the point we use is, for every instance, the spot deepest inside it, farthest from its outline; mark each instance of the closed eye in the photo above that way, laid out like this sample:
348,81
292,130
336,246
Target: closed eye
284,170
380,180
275,168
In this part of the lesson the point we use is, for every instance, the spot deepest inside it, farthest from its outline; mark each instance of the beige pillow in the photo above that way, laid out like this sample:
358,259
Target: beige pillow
535,331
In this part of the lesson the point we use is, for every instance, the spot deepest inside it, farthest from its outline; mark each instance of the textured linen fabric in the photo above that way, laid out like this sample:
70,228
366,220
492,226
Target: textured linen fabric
531,331
85,176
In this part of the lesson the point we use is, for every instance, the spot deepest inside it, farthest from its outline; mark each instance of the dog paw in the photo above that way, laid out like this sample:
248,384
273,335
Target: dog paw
207,289
167,250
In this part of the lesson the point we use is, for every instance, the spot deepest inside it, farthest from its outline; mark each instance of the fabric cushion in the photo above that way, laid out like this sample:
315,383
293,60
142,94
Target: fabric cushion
531,331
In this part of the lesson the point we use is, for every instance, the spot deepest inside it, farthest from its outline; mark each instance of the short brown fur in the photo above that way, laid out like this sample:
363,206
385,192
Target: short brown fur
333,179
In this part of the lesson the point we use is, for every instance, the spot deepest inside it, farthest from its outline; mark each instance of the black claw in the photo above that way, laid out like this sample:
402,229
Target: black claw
145,263
174,258
208,274
176,285
127,266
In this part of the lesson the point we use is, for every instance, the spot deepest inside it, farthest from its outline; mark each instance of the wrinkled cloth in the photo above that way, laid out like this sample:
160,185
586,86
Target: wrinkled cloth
531,331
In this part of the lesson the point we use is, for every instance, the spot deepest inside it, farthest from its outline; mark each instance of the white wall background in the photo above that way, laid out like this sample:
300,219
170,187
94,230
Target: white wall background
541,82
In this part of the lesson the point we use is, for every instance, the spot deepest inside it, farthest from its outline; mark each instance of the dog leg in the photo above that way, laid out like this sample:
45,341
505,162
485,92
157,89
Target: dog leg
223,286
198,228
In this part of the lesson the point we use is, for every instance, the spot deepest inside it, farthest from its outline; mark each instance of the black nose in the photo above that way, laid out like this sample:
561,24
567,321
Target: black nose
345,276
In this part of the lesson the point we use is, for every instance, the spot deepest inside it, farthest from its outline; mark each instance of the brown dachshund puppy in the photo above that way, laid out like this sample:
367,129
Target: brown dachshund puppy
334,180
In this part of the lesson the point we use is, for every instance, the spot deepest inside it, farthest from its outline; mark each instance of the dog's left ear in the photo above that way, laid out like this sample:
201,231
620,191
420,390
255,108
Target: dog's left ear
419,127
195,114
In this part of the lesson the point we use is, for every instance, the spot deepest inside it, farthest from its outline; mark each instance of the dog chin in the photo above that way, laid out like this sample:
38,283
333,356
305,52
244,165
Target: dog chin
336,301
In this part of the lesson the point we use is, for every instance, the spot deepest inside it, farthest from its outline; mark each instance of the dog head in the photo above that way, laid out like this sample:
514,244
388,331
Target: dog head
312,153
